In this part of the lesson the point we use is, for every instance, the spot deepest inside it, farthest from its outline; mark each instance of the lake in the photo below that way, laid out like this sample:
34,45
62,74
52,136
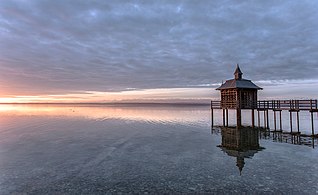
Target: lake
95,148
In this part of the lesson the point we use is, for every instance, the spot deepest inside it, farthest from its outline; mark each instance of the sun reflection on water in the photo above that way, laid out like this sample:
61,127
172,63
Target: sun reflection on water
161,114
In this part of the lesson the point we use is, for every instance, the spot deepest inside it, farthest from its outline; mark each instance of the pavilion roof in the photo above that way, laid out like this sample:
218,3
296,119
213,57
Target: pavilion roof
238,84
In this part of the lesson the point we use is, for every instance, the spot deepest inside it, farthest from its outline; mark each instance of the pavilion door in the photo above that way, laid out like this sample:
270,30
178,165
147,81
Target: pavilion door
247,99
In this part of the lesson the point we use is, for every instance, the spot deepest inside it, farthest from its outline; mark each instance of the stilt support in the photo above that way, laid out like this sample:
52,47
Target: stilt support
212,119
223,110
227,117
298,121
267,119
238,118
280,121
253,119
275,120
291,121
258,118
312,123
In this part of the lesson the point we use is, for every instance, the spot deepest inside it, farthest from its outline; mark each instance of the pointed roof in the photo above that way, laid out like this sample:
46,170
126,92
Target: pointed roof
238,73
238,70
238,82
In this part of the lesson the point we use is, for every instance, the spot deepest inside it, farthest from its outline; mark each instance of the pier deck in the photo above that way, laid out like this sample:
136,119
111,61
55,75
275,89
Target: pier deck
292,106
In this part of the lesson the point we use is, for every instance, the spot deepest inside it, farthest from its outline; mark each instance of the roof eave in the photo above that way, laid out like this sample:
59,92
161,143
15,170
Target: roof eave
257,88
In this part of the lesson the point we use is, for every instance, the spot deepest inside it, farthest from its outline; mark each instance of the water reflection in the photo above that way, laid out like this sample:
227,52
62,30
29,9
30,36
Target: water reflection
290,138
191,115
240,143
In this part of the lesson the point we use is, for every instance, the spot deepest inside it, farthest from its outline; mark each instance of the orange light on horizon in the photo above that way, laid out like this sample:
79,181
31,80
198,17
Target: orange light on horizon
99,113
146,95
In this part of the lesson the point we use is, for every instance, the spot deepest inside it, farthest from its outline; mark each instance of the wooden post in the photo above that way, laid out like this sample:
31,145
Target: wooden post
312,123
275,119
280,121
253,119
298,121
238,118
259,120
223,110
227,117
291,121
238,109
267,119
212,117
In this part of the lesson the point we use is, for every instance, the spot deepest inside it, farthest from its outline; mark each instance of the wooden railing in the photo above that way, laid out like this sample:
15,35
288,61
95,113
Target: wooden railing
216,105
287,104
279,104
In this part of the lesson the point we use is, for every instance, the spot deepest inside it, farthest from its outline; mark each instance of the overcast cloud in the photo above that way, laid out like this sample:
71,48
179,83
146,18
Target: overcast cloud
64,46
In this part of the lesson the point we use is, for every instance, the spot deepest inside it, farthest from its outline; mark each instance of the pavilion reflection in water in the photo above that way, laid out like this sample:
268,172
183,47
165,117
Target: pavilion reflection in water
240,143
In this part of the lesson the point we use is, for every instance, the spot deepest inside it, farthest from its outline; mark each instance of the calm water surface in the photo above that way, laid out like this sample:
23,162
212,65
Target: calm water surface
72,149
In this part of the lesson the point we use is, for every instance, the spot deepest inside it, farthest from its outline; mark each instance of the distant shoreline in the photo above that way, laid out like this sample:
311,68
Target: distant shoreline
115,104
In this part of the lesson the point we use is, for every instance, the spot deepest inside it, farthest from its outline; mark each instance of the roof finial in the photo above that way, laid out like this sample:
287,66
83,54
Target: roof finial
238,73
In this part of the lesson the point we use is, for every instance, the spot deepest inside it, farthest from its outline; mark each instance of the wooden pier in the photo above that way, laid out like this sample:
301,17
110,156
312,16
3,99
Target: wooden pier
276,106
239,94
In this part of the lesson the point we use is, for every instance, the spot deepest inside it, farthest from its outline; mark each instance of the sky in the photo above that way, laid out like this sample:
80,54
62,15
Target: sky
181,50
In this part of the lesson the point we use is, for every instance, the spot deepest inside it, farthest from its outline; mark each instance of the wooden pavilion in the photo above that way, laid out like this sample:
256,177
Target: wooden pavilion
238,93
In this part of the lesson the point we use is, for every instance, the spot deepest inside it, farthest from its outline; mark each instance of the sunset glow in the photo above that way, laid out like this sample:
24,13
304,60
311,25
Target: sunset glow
300,89
156,95
57,51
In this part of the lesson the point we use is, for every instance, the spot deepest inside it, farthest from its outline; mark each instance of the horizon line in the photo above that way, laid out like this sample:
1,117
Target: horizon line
110,103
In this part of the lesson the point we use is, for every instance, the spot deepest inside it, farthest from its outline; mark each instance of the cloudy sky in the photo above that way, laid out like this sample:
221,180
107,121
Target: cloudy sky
117,50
